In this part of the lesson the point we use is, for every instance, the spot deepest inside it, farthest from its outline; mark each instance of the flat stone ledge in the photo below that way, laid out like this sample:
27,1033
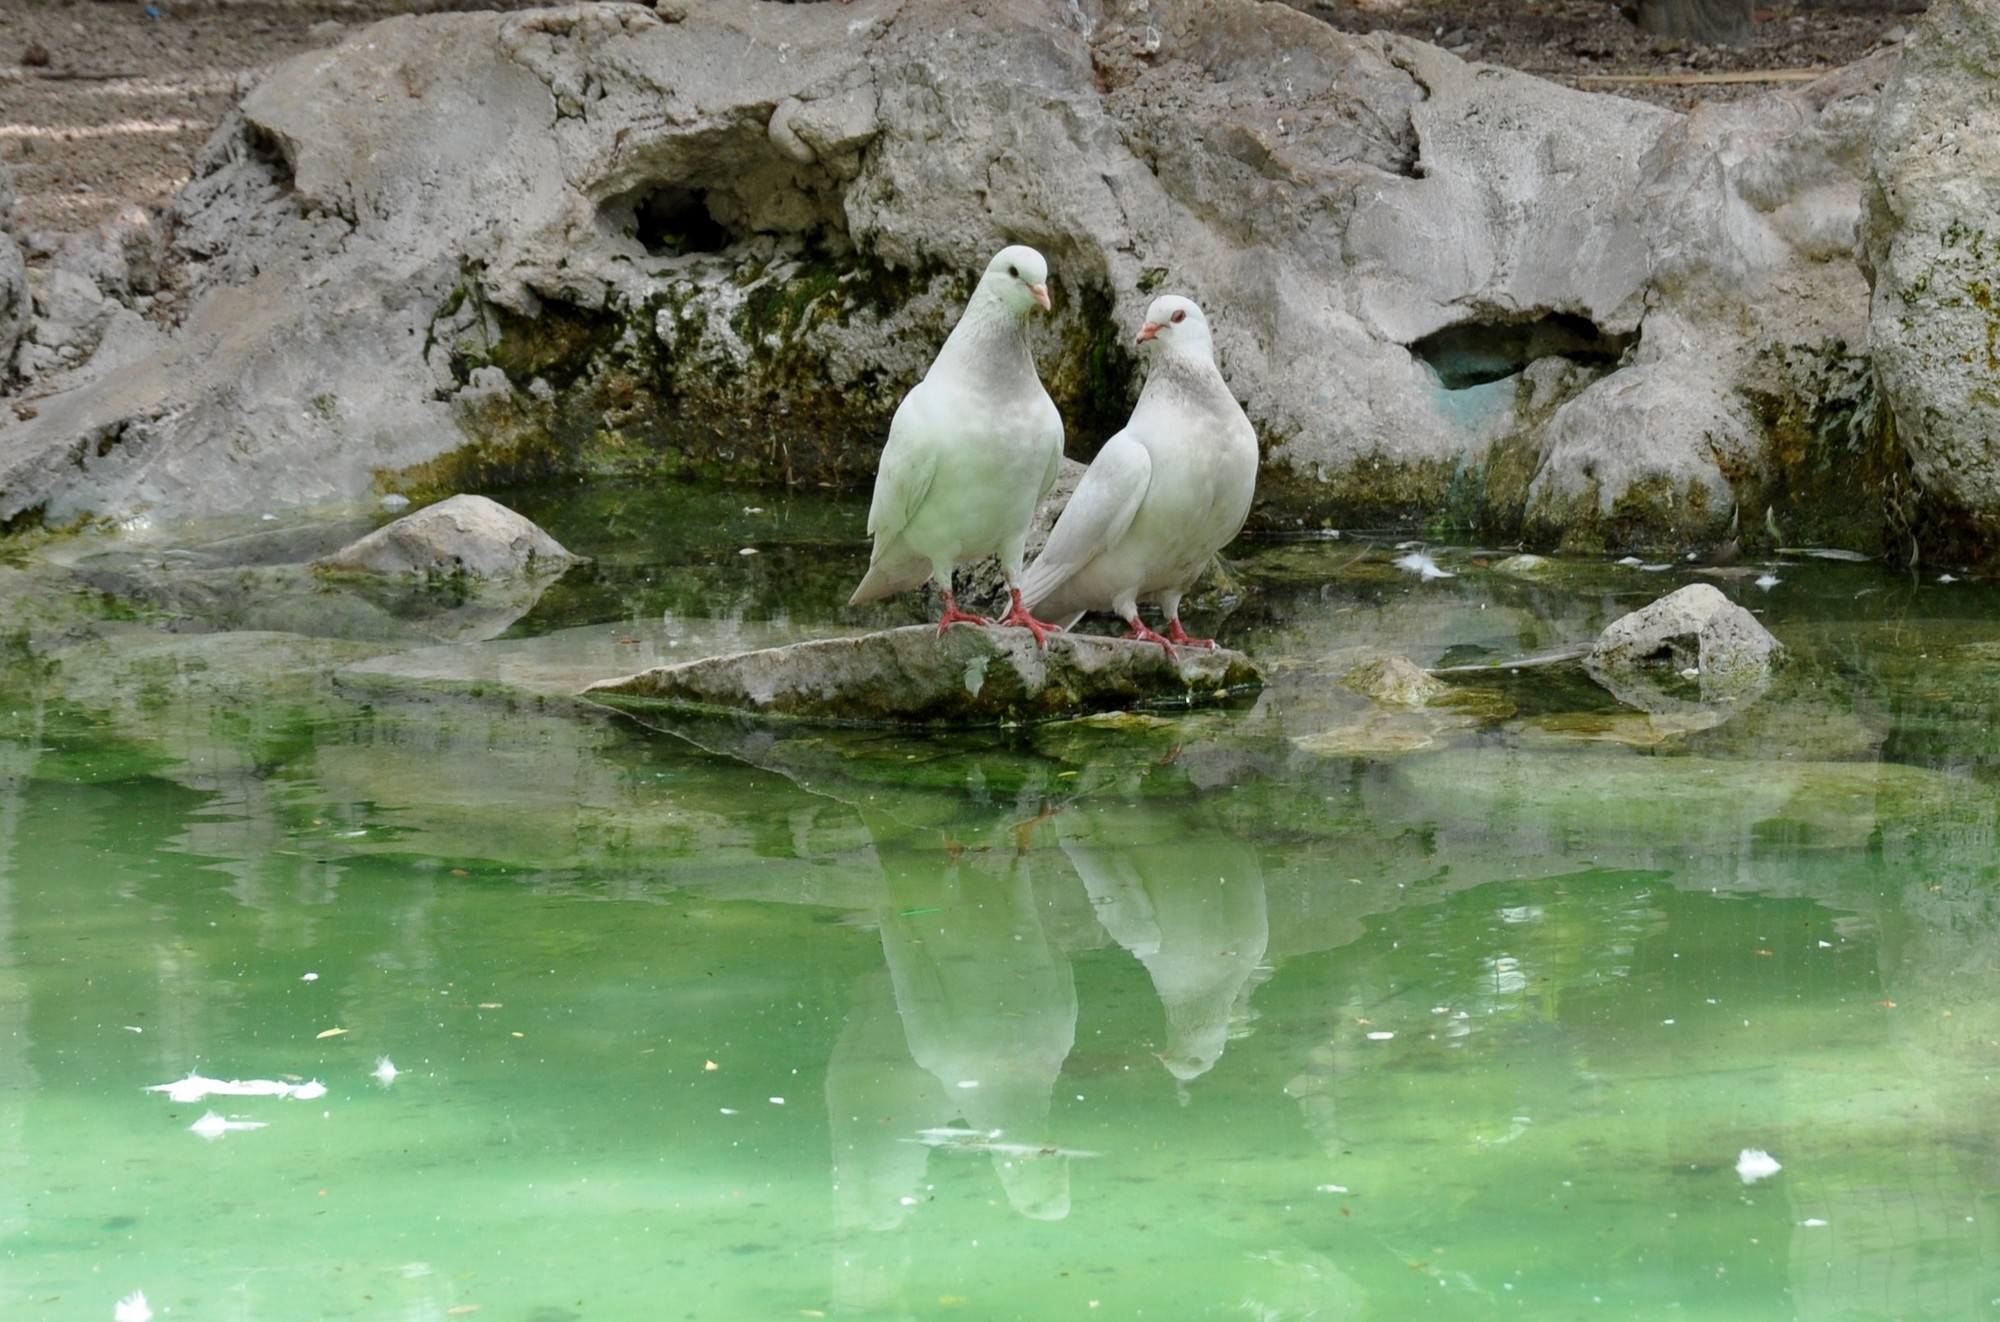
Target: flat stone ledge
970,676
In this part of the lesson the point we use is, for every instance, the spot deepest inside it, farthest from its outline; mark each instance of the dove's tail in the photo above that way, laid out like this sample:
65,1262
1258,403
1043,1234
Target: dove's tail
890,574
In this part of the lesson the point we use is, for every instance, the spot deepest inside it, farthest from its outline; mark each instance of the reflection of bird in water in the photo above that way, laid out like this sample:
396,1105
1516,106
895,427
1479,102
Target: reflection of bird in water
987,1007
1192,913
989,1011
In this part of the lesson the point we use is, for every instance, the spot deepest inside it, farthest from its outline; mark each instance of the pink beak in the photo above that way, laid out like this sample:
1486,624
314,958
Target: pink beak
1147,332
1041,293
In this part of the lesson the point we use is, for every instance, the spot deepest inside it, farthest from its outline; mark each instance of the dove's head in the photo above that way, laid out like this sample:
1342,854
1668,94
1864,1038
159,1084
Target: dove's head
1019,277
1177,324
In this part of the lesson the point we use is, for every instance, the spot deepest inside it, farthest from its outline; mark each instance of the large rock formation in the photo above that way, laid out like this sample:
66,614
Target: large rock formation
1933,245
726,237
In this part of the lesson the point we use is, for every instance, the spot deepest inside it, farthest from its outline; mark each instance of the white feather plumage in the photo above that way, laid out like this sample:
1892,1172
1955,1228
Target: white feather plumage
974,445
1163,495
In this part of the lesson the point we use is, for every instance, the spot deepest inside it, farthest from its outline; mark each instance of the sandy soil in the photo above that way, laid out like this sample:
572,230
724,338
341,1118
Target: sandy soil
104,104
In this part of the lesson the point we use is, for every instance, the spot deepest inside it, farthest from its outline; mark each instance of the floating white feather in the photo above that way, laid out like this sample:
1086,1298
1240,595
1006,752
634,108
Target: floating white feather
1754,1164
1425,568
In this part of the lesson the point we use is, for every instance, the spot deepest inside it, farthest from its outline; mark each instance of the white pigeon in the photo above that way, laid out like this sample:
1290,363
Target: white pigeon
972,449
1162,496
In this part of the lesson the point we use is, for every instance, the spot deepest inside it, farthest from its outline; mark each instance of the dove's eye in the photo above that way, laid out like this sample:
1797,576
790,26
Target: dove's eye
1179,316
1014,271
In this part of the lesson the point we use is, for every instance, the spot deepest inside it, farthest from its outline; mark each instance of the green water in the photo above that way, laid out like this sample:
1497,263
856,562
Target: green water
1308,1010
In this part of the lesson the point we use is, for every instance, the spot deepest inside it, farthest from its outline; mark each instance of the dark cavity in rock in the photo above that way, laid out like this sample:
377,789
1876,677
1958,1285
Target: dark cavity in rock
1473,353
670,220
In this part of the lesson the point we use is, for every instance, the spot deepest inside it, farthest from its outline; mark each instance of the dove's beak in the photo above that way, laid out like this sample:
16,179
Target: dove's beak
1147,332
1041,293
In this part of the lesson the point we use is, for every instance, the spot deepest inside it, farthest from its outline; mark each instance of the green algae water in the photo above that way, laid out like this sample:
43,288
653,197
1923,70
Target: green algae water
1540,1004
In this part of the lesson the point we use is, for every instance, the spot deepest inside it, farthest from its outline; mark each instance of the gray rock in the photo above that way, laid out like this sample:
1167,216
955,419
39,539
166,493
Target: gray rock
1933,245
71,313
734,233
1592,464
122,257
1528,566
1694,628
16,302
968,676
1395,681
463,538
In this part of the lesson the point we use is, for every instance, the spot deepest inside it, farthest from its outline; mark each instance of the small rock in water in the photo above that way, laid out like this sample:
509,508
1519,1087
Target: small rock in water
464,537
1395,680
1695,629
1525,566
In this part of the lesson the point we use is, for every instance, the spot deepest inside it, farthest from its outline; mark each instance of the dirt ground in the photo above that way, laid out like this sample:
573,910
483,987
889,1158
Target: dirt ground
103,103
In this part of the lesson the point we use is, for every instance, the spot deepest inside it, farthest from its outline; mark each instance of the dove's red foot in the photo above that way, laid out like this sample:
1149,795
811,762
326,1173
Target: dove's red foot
1179,635
1140,633
1017,614
953,615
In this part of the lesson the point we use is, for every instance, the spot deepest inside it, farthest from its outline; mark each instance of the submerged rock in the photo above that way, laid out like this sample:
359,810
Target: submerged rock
465,537
1397,681
968,676
1695,628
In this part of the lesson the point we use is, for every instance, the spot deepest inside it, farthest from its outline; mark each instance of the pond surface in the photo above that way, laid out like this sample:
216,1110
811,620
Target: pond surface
1311,1009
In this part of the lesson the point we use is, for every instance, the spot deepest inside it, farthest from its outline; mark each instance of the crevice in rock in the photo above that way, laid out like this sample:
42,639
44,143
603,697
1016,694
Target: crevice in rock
724,192
108,438
670,220
268,150
1474,353
25,519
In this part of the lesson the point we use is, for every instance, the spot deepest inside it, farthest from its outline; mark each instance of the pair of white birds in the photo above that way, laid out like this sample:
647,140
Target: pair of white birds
975,446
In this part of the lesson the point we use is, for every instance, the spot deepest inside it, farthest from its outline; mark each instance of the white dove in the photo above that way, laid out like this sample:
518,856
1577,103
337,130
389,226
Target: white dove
973,447
1162,496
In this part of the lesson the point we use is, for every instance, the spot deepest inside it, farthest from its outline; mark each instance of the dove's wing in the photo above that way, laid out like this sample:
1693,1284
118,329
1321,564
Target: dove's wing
1098,515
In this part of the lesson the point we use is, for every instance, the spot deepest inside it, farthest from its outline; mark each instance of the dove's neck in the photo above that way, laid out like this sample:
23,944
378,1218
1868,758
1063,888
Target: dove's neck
990,339
1190,374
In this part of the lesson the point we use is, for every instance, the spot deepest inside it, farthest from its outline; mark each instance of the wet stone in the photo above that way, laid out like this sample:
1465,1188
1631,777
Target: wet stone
464,537
968,676
1694,628
1397,681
